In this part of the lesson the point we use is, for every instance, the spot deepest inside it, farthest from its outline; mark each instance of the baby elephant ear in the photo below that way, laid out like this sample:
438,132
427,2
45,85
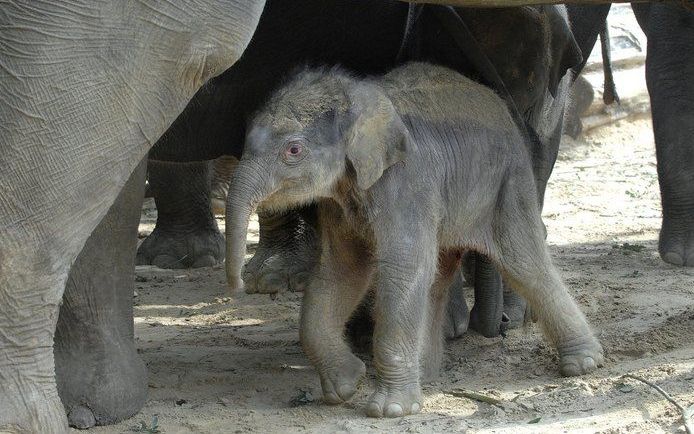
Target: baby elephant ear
378,138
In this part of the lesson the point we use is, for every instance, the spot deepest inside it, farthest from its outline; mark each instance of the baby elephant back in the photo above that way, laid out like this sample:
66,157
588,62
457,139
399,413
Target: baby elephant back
441,95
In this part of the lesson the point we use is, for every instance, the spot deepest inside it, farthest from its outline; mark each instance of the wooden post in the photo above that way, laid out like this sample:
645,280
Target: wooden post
512,3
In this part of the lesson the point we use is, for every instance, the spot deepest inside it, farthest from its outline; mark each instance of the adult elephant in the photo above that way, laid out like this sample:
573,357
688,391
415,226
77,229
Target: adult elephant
86,88
669,27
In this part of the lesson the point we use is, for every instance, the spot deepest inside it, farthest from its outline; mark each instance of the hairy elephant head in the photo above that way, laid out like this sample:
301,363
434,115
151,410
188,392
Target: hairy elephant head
321,135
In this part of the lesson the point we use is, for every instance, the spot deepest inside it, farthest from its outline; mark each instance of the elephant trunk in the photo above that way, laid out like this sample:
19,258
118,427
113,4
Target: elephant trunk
248,187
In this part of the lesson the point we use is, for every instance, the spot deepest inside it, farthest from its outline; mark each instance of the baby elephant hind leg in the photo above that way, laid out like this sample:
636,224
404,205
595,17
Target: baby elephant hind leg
458,316
526,264
341,281
448,284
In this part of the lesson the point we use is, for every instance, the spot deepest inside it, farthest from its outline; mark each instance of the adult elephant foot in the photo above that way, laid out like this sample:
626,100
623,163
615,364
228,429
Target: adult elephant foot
287,252
186,234
179,248
101,388
101,379
676,243
670,29
516,309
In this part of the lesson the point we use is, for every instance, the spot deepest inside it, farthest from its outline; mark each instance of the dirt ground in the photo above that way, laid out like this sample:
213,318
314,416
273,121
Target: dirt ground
221,363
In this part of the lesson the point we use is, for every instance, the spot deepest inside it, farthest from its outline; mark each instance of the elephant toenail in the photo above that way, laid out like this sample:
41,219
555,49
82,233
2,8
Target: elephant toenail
394,410
589,364
81,417
373,409
345,391
570,369
331,398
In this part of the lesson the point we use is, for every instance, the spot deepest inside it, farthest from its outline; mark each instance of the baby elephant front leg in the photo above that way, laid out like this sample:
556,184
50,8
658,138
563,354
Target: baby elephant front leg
405,278
329,301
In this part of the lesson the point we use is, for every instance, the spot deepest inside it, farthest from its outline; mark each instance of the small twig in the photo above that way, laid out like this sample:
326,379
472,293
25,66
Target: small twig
180,259
460,393
687,413
406,421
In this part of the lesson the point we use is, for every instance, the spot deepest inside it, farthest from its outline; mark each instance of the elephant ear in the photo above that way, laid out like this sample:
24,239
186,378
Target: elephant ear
377,137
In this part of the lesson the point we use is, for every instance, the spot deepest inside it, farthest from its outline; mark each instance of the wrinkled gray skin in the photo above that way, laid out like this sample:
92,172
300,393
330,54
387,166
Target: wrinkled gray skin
360,149
187,195
100,377
186,234
87,88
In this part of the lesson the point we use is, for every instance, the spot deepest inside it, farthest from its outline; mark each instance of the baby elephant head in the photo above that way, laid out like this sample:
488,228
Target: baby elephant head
322,127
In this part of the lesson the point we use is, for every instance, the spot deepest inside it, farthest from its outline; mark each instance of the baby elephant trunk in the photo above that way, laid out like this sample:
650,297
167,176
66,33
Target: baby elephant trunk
249,185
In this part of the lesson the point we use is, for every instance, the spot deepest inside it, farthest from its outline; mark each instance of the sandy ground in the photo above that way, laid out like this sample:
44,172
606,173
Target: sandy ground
233,364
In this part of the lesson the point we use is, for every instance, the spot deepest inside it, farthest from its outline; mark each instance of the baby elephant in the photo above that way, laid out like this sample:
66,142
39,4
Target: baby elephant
408,169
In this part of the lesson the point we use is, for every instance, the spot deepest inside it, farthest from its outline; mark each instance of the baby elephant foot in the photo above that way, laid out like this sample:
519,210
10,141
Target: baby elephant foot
391,401
339,383
578,357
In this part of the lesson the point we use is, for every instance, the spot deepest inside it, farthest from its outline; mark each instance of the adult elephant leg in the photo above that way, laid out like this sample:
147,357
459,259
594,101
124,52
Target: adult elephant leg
487,314
222,168
669,71
84,92
287,252
101,379
186,234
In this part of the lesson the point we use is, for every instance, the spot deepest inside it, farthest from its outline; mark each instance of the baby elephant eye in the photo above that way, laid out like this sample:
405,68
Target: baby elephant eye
293,150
